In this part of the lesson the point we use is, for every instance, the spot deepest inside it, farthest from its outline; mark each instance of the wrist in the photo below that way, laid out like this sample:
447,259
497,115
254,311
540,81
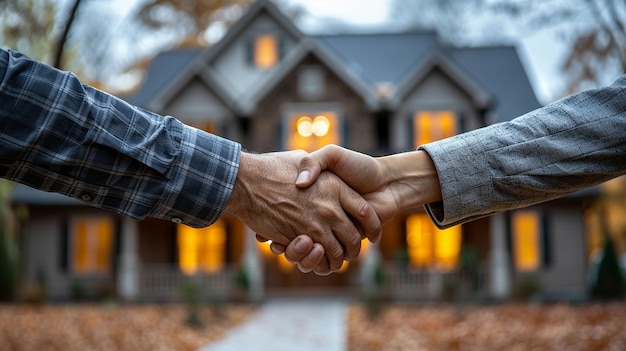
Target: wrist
242,192
413,179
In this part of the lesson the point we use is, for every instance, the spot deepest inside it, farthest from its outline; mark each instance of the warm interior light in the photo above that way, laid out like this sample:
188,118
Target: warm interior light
201,249
321,125
266,51
428,246
526,240
304,126
310,132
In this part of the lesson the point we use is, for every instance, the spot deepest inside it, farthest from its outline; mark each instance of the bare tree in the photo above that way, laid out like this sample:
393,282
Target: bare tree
67,27
28,26
189,19
594,29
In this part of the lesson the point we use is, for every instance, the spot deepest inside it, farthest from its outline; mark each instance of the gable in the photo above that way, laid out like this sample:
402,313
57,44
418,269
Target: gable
436,88
438,91
233,58
306,51
164,68
197,102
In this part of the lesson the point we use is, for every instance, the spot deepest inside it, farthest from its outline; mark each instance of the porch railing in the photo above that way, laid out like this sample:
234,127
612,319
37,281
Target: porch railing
405,283
168,283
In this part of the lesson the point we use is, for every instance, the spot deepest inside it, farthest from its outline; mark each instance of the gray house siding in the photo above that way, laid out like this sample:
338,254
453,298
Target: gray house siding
566,274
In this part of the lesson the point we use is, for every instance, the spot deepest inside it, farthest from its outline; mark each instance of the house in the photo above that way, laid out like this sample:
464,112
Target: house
271,87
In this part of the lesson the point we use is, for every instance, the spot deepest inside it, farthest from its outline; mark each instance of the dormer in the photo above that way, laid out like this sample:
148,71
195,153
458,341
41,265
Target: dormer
255,46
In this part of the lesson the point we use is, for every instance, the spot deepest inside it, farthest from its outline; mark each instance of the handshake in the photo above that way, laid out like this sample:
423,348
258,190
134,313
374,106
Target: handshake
316,208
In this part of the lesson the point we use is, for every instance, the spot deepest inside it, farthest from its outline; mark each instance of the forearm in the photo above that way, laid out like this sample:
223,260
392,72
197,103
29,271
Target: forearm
58,135
412,179
564,147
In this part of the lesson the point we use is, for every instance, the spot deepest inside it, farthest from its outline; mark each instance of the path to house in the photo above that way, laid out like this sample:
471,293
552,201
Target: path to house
290,324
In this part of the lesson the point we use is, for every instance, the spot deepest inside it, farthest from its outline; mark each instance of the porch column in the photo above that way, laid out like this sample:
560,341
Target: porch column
499,260
128,275
253,265
368,268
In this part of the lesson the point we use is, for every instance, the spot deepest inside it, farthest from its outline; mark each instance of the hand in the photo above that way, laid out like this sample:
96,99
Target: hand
265,198
391,184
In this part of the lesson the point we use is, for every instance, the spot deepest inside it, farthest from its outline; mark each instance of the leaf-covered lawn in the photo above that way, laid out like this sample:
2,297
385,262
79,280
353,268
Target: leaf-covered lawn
400,327
97,327
497,327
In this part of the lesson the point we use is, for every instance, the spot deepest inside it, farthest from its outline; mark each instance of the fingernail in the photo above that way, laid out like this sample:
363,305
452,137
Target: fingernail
300,246
302,177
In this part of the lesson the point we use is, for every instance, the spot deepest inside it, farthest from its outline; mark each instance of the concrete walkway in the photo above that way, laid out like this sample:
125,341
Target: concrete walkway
290,324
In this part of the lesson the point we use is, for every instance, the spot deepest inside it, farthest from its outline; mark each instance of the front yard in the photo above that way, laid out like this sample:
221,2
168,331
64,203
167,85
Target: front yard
399,327
112,327
520,327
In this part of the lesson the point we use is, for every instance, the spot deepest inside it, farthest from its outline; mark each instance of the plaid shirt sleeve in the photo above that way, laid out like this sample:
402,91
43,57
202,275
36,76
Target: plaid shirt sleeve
59,135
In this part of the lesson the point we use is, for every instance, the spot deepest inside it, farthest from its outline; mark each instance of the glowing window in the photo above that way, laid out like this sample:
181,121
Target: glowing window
92,242
428,246
430,126
310,132
526,236
265,51
201,249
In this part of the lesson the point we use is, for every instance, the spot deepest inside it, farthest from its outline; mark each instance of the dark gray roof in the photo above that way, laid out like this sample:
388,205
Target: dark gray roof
23,194
389,57
499,71
381,57
163,69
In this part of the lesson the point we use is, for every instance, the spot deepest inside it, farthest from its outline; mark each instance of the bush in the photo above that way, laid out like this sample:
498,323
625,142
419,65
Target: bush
609,282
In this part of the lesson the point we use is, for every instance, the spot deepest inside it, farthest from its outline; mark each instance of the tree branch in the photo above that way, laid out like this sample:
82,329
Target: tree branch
58,55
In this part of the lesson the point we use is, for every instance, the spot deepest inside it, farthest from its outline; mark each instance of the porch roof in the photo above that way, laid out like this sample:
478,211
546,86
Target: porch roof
23,194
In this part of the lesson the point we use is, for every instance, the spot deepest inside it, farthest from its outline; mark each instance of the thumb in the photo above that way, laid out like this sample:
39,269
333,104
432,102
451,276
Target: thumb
314,163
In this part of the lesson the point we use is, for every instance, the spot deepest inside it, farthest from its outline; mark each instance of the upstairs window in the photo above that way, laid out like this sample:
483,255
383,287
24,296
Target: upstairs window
310,132
429,126
266,51
92,245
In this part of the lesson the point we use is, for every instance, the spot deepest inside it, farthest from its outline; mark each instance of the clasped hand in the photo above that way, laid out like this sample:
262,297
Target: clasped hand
335,218
333,215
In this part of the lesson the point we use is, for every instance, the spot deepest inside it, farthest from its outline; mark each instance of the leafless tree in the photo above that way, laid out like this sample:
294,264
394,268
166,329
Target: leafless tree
593,29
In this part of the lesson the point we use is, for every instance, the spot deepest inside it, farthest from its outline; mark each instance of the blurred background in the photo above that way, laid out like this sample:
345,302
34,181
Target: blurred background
376,76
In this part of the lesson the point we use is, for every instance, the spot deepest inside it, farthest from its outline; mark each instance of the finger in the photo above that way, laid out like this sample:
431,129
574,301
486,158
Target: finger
363,214
277,248
323,268
335,253
312,259
366,218
299,248
261,238
314,163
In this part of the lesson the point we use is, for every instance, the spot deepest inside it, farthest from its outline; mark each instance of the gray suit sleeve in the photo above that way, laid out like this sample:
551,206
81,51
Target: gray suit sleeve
571,144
